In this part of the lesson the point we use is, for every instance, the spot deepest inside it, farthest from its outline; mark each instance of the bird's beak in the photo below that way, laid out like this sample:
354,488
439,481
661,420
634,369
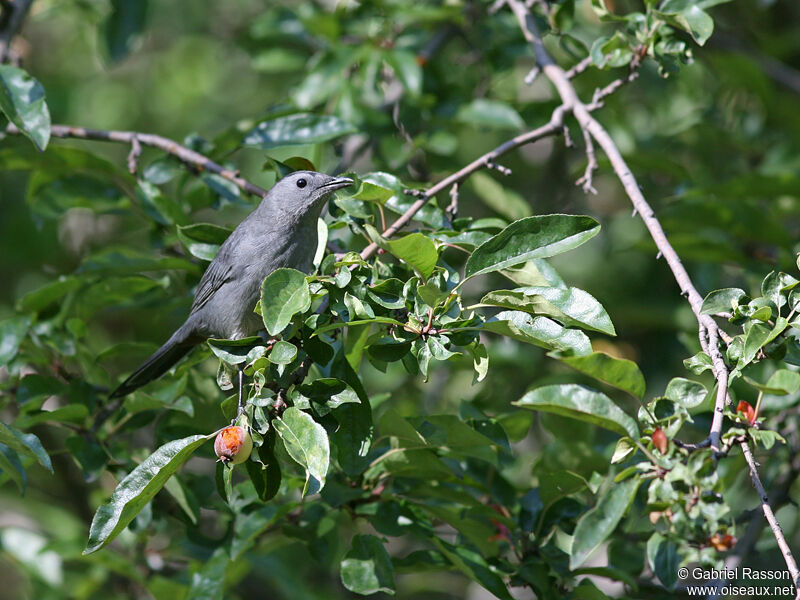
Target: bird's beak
337,184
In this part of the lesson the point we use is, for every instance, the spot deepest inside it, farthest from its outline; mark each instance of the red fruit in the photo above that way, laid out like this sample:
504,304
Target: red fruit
722,542
233,444
747,410
660,440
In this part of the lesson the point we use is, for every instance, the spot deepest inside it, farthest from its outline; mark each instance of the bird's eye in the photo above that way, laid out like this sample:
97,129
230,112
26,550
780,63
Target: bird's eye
301,183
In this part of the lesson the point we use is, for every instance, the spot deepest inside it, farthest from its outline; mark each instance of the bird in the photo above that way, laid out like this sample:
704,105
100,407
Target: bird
280,232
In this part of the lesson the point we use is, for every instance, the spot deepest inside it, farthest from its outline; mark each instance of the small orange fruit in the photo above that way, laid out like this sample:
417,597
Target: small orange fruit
233,445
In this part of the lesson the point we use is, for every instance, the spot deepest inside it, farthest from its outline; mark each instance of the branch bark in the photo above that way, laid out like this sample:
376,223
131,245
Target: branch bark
135,139
553,127
708,331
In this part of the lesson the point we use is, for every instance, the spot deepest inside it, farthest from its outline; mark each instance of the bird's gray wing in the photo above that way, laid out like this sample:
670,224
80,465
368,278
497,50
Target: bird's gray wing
218,273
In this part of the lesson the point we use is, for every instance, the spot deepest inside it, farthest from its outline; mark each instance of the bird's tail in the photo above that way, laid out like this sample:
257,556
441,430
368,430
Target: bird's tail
175,348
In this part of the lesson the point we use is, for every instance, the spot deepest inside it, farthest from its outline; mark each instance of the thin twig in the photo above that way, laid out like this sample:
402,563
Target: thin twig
579,68
134,154
452,208
184,154
586,180
708,331
791,565
569,97
551,128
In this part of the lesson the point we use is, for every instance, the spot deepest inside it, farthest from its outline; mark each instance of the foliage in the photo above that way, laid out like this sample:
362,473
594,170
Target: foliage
454,412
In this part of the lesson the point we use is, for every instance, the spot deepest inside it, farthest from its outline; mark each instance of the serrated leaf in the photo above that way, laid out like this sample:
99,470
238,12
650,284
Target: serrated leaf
578,402
529,238
138,488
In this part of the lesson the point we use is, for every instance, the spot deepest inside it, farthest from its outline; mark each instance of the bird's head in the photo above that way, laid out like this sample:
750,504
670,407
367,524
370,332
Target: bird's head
302,191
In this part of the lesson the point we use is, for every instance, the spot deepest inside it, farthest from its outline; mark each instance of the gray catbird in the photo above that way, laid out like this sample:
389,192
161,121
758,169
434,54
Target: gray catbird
281,232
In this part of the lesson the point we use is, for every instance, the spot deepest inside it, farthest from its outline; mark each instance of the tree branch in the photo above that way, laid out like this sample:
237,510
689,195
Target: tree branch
708,332
136,139
553,127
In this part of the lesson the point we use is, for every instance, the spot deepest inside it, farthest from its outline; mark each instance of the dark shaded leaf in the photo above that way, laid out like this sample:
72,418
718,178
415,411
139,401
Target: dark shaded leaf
366,568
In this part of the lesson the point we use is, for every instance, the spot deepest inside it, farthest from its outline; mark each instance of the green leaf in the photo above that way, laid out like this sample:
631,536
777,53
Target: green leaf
754,340
248,527
415,249
580,403
157,206
662,554
571,306
724,300
124,26
490,113
138,488
233,352
698,363
621,373
781,383
208,583
595,526
353,438
367,568
203,240
529,238
295,130
503,201
306,441
691,19
11,465
22,101
282,353
407,69
25,443
540,331
12,332
41,298
685,392
474,566
284,293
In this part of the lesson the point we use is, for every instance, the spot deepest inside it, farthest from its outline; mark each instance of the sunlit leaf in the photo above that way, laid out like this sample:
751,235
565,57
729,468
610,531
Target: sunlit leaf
580,403
138,488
